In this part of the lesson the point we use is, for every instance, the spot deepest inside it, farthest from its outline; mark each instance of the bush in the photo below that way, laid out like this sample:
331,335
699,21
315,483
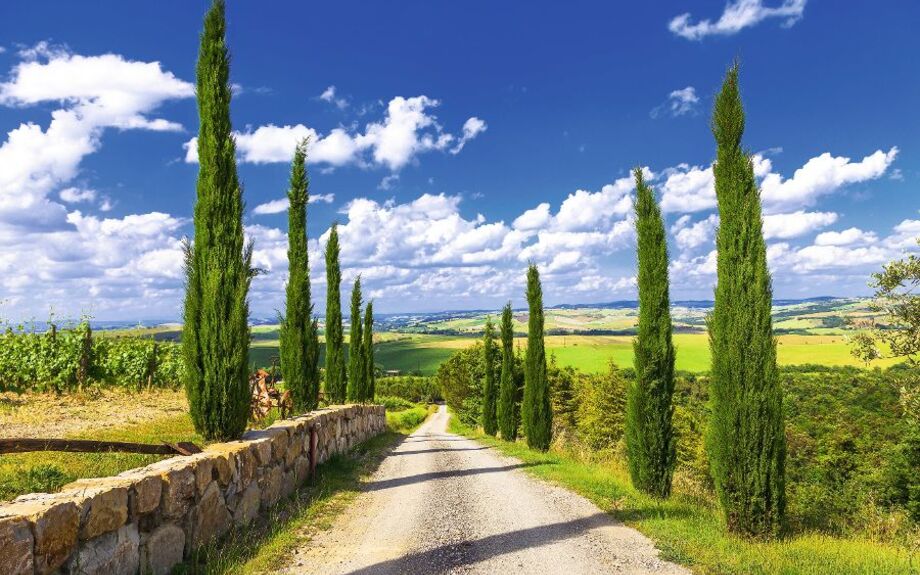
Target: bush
600,414
417,389
394,403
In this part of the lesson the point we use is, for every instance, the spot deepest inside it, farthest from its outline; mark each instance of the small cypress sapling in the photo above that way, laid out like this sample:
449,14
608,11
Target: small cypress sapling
218,270
746,436
335,353
489,392
507,392
536,408
650,442
367,349
356,370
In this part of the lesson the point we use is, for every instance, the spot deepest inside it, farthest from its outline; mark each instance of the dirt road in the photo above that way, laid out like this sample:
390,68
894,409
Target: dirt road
440,503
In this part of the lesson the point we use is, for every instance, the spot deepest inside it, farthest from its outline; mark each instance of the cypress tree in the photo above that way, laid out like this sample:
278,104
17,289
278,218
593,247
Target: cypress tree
745,439
536,410
650,441
356,370
489,392
507,392
368,351
335,353
298,356
215,334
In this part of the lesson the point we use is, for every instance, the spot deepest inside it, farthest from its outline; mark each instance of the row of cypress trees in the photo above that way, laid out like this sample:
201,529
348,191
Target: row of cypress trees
745,440
218,269
499,406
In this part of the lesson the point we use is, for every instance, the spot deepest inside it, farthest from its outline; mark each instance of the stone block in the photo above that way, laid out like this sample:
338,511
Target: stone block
178,491
271,486
104,509
16,543
115,553
162,550
55,524
247,507
210,518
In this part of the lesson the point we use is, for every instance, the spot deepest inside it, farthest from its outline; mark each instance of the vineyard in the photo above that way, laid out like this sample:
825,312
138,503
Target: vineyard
73,358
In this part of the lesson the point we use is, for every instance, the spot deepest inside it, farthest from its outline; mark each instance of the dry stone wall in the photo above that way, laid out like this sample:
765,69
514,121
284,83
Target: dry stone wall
147,520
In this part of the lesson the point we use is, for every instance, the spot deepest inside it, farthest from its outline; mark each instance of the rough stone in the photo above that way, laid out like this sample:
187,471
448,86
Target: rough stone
115,553
204,470
103,509
247,507
271,487
162,549
55,523
178,491
288,483
210,517
16,543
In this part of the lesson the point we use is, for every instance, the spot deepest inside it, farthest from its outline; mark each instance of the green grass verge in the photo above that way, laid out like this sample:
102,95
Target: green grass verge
265,545
690,531
47,471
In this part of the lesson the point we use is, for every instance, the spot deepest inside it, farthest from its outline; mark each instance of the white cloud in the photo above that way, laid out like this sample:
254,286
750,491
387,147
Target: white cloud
95,92
583,210
471,128
281,204
533,219
679,103
846,237
791,225
688,189
388,182
77,195
738,15
328,95
406,131
822,175
690,236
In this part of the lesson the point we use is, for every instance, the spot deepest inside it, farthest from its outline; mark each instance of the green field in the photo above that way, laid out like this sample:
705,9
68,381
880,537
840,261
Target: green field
421,353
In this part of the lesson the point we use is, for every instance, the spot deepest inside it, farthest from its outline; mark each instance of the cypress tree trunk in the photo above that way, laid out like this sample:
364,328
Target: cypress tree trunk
489,418
356,371
745,440
215,334
298,357
650,441
335,352
368,351
537,412
507,392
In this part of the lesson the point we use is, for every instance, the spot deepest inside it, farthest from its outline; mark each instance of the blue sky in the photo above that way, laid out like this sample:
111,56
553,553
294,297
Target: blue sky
453,142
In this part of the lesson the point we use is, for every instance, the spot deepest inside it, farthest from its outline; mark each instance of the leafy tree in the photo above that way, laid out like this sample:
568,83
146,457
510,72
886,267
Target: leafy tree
746,437
601,409
370,377
489,392
215,335
336,382
356,371
299,357
650,442
507,391
562,384
537,412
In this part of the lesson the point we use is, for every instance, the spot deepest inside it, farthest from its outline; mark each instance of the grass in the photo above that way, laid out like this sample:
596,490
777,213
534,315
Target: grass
264,546
690,531
48,471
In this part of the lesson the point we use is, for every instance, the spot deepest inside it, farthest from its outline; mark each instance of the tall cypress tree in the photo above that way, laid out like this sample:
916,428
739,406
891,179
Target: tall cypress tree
489,391
368,350
536,409
298,357
335,353
356,371
215,334
650,441
745,440
507,392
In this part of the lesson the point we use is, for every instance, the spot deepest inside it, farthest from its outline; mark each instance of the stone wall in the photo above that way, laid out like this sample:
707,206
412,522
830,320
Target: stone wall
146,520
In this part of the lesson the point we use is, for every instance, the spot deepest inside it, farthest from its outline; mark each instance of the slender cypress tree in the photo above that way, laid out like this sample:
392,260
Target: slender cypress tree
356,370
335,353
296,346
650,441
215,334
489,391
536,409
368,350
745,440
507,392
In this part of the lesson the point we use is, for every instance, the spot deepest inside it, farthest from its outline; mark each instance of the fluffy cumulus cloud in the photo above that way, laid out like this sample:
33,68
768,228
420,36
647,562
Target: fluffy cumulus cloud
679,103
407,130
738,15
47,251
281,204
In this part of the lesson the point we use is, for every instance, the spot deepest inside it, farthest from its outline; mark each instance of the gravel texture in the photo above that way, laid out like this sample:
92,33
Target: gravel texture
440,503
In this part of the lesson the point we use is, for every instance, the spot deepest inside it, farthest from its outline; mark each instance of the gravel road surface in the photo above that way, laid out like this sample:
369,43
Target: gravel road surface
440,503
